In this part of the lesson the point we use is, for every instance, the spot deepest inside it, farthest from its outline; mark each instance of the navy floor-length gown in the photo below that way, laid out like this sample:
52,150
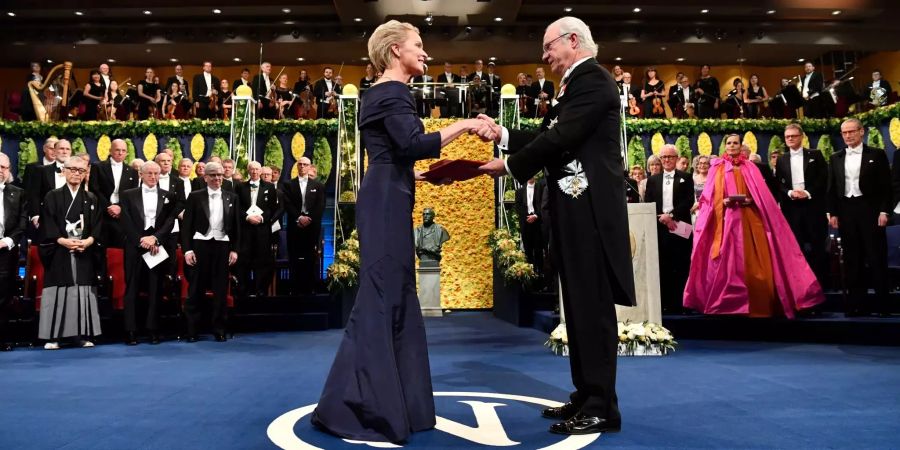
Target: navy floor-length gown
379,387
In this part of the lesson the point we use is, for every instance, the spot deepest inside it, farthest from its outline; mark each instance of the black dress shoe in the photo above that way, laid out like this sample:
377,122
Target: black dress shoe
564,412
154,339
582,424
191,339
220,338
131,339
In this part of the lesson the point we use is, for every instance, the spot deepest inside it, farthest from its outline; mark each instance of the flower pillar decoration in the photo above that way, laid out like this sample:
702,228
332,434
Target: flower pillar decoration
509,118
243,128
348,160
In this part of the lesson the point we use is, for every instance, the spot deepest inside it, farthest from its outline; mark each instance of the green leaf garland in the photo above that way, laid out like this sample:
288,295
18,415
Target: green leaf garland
322,158
274,153
27,155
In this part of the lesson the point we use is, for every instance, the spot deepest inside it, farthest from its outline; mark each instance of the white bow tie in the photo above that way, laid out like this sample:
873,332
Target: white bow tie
149,190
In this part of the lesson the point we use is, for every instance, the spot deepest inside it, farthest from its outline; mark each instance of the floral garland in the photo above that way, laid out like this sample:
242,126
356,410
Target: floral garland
116,129
344,272
635,339
513,264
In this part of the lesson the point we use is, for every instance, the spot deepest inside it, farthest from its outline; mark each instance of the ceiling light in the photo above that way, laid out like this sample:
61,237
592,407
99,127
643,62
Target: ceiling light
217,11
637,10
364,58
567,9
740,60
801,60
836,12
79,13
493,58
498,19
110,60
147,12
429,19
173,59
237,59
357,19
771,11
286,10
288,22
429,59
679,59
704,11
301,59
11,14
618,58
147,50
49,61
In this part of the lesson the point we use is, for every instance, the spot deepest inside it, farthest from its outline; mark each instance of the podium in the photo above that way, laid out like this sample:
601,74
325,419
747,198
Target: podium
645,263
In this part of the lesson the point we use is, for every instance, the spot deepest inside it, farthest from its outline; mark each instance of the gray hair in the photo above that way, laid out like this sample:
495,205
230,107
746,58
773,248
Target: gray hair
253,164
854,120
148,165
575,25
668,147
213,167
188,160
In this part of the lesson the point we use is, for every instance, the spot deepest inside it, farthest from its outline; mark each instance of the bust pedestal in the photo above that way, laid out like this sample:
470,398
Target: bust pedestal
429,273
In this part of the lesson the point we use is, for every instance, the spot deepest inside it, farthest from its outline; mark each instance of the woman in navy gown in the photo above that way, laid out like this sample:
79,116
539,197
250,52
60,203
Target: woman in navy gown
379,387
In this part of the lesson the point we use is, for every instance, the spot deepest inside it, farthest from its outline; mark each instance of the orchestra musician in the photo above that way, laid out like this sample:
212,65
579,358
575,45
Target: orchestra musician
326,96
263,91
284,97
878,92
811,85
630,93
225,100
542,92
683,99
105,76
754,96
149,95
366,81
27,109
734,101
450,108
114,101
618,73
244,80
179,78
174,102
206,92
707,90
493,84
522,90
651,95
94,96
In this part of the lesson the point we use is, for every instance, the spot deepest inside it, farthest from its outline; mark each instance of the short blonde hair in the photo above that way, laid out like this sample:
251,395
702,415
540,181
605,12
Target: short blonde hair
386,35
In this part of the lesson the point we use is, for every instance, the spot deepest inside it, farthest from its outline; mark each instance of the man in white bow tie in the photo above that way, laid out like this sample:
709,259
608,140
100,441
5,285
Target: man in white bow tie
304,201
148,214
259,210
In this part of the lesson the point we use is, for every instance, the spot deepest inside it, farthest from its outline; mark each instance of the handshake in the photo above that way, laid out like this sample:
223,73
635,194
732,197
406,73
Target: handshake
488,131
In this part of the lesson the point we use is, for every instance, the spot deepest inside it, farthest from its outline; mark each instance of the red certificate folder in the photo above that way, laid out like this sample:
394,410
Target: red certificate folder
454,169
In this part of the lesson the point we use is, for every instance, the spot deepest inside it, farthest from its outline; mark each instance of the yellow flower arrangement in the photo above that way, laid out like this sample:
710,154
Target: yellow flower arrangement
103,146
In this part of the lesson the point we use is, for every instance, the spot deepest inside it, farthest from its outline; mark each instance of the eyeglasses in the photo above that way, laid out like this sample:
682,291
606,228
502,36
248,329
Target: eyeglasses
303,164
76,170
792,136
549,45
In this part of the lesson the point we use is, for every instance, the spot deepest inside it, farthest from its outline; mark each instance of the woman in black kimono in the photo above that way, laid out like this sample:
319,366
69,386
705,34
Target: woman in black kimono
70,222
379,387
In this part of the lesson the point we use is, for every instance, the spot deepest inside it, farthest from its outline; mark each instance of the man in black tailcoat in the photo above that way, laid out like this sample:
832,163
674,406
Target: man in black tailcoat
108,180
578,145
12,226
148,214
859,201
259,206
304,201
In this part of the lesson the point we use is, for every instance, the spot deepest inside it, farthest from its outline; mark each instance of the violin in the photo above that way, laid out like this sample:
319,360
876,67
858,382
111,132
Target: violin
543,107
171,104
214,101
633,108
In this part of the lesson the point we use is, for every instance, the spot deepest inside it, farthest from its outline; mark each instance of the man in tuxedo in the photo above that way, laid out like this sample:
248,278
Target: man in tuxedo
259,208
802,178
148,214
493,83
859,202
164,160
629,92
578,145
450,107
880,88
262,85
105,75
178,78
681,97
304,201
205,85
324,92
541,89
229,183
244,80
108,180
12,225
528,207
674,87
673,193
811,85
49,177
210,238
422,94
31,181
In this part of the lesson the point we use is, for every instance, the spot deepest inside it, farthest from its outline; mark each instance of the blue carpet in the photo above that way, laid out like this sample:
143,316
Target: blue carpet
710,394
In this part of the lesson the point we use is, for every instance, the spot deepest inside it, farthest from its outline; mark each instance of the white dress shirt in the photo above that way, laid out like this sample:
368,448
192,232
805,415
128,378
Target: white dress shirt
529,190
852,164
117,179
186,182
806,92
9,242
268,83
303,181
798,182
164,181
209,86
449,77
216,218
686,93
668,189
47,162
150,196
60,180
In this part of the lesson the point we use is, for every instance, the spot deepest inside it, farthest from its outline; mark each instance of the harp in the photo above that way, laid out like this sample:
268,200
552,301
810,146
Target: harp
35,88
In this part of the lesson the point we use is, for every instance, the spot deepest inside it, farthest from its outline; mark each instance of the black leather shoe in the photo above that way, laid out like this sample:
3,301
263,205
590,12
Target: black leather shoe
564,412
154,339
191,339
131,339
220,338
582,424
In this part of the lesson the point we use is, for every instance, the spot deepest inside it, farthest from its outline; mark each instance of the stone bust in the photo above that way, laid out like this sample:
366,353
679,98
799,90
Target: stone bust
429,238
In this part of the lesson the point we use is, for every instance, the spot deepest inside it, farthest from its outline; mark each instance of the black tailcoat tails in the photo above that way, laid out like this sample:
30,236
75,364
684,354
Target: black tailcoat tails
579,139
